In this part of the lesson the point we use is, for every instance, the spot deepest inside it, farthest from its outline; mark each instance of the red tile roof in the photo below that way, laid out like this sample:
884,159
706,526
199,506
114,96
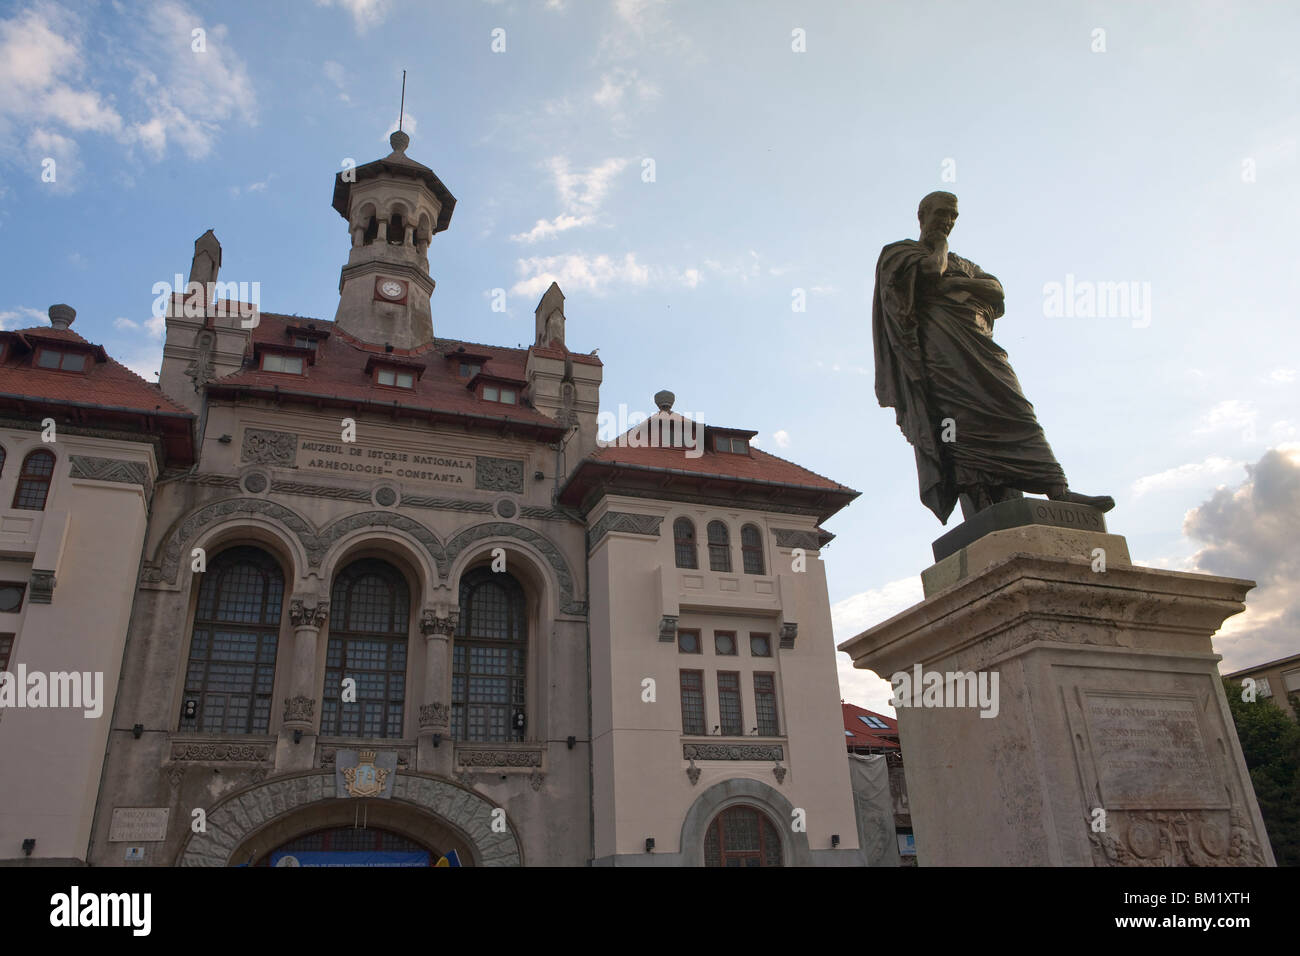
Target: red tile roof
106,393
338,376
758,477
858,734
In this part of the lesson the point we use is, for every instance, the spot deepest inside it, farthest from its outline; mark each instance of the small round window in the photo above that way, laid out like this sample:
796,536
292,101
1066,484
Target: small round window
11,597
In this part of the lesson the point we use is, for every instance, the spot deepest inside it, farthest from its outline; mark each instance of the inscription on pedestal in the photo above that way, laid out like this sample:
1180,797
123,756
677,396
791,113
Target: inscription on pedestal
138,825
1149,753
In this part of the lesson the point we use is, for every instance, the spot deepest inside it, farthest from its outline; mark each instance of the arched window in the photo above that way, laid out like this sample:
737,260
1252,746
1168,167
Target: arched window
396,230
719,547
742,836
371,233
684,540
751,549
489,659
232,651
34,481
369,608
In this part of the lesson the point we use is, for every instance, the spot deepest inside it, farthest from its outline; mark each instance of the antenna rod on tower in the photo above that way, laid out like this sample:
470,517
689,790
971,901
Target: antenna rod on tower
401,111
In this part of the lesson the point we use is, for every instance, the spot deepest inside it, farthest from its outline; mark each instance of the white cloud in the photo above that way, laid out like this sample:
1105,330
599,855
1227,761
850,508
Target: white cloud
1206,472
1283,375
22,317
335,73
1230,414
579,271
855,614
782,438
365,13
618,83
545,229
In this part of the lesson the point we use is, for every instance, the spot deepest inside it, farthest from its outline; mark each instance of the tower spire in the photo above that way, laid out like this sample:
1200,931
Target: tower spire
401,110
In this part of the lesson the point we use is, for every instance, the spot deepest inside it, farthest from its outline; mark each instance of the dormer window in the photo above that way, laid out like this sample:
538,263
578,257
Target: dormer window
57,359
507,396
731,444
394,378
302,342
470,369
288,364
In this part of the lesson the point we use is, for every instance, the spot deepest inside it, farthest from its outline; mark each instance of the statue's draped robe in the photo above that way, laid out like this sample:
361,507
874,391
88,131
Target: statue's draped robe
935,360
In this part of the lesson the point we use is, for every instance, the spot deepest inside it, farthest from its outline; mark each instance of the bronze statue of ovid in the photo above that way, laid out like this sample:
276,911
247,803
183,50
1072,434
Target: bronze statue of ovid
956,397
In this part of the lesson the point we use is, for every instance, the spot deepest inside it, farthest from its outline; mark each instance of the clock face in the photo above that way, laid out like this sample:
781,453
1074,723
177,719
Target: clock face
391,289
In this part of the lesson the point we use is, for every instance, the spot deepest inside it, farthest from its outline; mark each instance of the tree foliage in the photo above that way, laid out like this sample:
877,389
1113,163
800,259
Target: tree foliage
1270,742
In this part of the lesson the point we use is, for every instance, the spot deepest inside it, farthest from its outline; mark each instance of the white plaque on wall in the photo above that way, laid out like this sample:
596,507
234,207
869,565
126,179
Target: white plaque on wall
138,825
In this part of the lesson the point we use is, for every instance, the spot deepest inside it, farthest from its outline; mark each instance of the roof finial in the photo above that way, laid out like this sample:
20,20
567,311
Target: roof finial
399,140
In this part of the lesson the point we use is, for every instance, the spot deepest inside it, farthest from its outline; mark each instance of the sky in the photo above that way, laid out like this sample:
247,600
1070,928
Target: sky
711,184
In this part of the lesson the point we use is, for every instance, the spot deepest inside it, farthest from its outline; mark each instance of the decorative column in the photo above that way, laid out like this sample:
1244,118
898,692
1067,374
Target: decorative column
434,751
308,615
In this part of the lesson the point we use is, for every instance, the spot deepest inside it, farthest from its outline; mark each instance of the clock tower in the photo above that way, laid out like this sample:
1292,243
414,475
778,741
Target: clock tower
393,207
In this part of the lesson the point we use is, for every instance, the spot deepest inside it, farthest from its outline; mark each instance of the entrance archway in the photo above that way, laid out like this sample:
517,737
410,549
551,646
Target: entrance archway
247,826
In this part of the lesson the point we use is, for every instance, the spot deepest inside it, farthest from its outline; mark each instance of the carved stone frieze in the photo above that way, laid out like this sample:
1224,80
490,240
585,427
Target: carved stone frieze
385,519
250,753
499,758
1174,838
299,709
268,447
111,469
625,522
733,752
499,474
319,491
797,538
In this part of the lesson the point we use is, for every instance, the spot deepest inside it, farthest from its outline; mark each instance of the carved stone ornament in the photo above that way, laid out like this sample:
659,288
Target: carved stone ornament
439,621
303,612
792,538
732,752
789,631
1175,838
268,447
386,497
466,778
435,716
625,522
499,758
218,751
255,482
111,469
506,508
499,474
40,588
668,628
536,779
693,773
299,709
202,370
779,772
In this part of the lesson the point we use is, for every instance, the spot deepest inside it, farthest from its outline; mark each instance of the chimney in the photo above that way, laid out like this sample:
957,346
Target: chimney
61,316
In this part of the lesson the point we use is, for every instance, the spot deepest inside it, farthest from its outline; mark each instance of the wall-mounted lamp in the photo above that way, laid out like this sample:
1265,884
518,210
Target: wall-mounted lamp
225,439
649,844
538,476
297,735
437,739
571,741
835,840
137,730
28,845
191,709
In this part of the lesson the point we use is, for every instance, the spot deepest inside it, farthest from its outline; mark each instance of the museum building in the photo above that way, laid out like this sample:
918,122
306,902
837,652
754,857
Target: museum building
398,603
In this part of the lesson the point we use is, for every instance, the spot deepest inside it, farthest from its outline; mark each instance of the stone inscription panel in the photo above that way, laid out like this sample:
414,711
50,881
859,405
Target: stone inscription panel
138,825
1149,753
356,460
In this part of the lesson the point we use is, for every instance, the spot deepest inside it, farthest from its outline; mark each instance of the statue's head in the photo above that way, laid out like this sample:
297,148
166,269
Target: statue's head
937,214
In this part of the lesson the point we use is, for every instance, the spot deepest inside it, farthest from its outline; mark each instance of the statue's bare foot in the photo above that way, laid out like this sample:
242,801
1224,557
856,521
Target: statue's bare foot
1102,503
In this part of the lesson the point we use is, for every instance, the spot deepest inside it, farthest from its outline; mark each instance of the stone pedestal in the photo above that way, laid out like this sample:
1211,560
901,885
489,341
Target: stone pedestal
1105,738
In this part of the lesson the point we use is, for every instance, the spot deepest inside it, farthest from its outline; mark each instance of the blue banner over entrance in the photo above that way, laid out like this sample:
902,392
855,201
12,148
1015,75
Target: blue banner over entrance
350,858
